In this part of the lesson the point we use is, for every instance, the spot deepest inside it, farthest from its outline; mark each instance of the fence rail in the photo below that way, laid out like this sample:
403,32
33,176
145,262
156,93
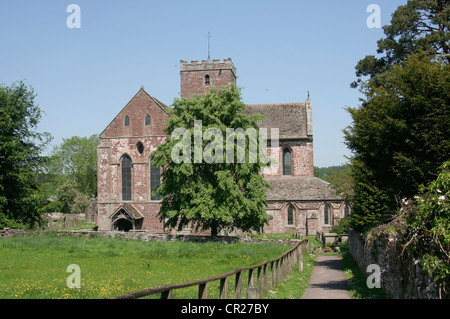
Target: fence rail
279,267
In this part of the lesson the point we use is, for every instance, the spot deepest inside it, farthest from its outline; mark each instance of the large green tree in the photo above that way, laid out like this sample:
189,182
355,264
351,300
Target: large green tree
223,188
399,136
418,26
71,174
20,159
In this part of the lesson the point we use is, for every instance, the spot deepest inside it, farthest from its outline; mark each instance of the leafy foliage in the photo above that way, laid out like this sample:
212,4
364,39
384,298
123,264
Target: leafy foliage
70,176
20,148
418,26
339,178
428,230
399,136
211,195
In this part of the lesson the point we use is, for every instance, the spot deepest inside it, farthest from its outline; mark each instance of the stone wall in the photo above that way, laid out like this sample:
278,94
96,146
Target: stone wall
193,75
7,232
138,235
401,276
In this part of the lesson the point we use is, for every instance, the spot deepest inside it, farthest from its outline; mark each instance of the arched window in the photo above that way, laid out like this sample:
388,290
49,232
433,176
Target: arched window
126,121
207,80
290,215
140,147
287,167
346,210
326,215
155,181
148,120
126,178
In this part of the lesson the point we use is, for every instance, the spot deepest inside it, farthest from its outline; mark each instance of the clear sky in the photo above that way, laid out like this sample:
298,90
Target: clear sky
282,49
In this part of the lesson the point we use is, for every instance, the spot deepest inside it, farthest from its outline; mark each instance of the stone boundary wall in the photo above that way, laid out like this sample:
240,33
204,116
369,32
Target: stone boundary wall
168,237
138,235
401,276
6,232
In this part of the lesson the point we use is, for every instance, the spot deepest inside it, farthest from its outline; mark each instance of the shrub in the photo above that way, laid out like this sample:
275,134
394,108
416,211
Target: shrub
427,234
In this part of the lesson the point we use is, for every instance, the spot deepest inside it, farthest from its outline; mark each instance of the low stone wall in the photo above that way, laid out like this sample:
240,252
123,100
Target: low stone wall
6,232
401,276
331,238
141,235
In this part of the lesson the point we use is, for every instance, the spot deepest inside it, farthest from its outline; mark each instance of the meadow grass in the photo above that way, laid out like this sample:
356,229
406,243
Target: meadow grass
296,282
36,266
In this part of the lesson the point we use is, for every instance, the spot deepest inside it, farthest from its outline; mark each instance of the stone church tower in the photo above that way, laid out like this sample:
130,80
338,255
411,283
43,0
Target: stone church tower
297,201
198,78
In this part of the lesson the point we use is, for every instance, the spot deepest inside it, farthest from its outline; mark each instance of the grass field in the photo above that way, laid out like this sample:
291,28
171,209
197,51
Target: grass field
36,266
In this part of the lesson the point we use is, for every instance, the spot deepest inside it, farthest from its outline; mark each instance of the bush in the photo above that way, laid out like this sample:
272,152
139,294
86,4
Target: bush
10,223
427,234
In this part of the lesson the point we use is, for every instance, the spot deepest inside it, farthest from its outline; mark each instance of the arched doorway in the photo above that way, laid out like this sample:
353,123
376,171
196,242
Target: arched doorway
122,224
126,218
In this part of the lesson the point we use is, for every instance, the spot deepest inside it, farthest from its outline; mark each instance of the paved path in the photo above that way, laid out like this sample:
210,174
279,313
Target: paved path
327,280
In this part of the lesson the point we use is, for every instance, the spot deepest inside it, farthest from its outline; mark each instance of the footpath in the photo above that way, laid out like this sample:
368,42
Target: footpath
328,280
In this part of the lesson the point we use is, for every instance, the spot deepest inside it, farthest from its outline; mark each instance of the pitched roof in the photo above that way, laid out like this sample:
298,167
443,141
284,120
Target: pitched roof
130,210
160,104
299,188
289,118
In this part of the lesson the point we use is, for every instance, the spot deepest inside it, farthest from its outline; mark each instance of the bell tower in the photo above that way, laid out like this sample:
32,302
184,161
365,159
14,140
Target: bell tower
198,78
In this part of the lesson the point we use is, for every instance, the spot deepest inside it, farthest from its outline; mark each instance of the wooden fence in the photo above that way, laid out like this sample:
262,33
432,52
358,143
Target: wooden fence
261,274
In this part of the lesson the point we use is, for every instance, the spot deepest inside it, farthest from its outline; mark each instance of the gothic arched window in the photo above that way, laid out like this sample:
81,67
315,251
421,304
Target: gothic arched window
126,178
346,210
287,164
155,181
126,121
207,80
140,147
326,215
290,215
148,120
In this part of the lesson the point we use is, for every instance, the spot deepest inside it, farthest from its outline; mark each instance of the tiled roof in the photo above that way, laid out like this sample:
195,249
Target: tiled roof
289,118
299,188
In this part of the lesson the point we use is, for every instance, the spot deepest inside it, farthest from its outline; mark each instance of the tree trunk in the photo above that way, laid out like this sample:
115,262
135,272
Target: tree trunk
213,230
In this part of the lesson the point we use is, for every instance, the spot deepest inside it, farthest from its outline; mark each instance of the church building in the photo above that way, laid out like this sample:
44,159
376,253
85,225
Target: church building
297,201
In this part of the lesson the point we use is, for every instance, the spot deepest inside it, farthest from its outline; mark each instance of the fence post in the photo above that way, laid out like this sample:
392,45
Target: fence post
238,285
272,274
252,293
279,270
266,269
260,281
300,263
223,288
203,291
166,294
250,278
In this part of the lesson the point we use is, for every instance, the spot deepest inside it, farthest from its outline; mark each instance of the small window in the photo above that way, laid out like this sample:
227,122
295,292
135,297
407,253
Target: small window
326,215
148,120
290,215
207,80
126,121
140,147
287,167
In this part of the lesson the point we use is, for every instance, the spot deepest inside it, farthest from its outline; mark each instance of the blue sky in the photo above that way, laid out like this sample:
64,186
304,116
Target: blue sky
281,49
